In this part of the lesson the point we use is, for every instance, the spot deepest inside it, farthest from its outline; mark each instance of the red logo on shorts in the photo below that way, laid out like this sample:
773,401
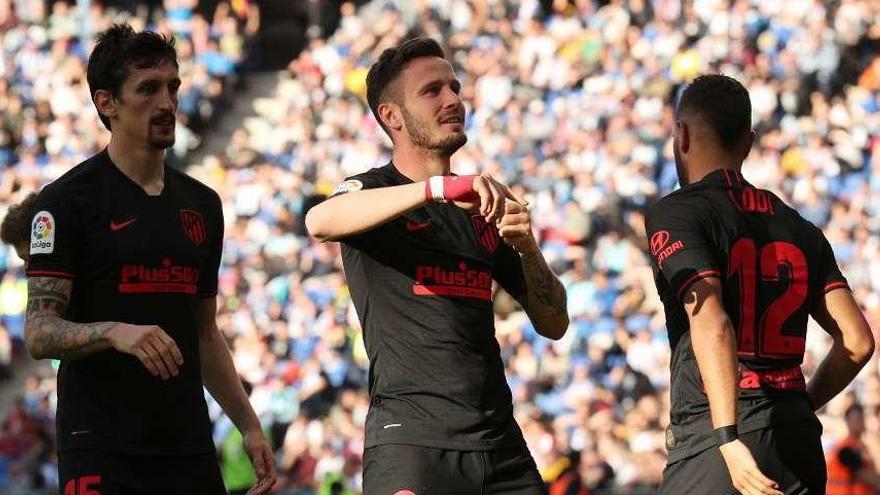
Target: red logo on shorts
194,226
486,233
659,240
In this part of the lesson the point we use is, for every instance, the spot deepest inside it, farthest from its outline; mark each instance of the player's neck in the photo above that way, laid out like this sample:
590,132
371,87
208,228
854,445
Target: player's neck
705,165
142,164
419,164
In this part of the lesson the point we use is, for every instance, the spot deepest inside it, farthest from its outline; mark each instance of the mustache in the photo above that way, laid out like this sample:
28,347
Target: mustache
163,118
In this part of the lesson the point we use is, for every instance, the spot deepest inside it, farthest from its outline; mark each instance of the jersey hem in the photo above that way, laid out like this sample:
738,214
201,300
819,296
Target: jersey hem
115,449
49,273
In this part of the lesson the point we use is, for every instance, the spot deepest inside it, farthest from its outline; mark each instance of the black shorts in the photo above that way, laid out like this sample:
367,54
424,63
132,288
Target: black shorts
92,472
397,469
790,455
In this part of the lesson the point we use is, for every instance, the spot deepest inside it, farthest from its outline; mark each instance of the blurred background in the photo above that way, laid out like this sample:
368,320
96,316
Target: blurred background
569,100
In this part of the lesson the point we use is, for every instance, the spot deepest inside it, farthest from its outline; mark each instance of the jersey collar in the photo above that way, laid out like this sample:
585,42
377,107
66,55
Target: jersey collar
726,177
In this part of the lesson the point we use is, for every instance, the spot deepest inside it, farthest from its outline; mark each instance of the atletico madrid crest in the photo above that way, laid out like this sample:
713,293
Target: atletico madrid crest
193,226
487,234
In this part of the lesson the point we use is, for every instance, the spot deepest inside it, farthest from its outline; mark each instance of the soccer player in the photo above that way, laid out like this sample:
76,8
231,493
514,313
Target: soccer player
123,275
16,227
739,272
420,260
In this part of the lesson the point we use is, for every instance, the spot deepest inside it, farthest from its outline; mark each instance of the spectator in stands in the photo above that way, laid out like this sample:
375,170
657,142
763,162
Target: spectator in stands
851,470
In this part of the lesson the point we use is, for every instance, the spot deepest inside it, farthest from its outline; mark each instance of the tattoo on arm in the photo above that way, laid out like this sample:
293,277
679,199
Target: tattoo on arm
543,287
48,334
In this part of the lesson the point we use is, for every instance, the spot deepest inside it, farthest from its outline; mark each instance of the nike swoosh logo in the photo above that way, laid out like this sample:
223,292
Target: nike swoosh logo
115,227
412,226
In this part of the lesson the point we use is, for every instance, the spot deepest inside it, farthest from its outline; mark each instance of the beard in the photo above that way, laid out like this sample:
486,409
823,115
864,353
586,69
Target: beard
420,134
160,143
161,140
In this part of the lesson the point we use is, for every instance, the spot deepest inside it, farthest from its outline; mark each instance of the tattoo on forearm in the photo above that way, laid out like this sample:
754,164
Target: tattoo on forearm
543,286
48,334
48,296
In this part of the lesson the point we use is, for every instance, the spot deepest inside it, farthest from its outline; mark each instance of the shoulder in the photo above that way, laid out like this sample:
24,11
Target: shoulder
194,187
375,177
683,203
74,191
81,177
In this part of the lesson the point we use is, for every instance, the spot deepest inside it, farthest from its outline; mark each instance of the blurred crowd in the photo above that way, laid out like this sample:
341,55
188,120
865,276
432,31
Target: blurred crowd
48,124
570,101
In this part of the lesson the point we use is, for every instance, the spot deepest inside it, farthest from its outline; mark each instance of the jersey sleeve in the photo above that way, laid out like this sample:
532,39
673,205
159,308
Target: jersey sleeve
368,180
830,277
211,266
679,245
509,272
56,232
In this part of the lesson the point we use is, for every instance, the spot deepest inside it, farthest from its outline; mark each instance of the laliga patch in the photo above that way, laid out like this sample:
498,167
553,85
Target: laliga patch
350,185
43,233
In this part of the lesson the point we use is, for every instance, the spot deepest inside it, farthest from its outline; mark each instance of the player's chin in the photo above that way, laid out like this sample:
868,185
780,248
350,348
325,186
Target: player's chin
452,142
161,142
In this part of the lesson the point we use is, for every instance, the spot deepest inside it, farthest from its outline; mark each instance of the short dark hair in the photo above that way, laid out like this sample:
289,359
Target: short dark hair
723,103
119,50
392,61
16,226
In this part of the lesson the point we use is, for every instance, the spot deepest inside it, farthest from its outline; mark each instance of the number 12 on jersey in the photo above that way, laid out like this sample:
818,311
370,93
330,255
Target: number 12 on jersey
760,335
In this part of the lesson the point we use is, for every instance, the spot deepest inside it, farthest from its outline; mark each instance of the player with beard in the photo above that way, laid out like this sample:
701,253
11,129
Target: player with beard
124,253
739,273
421,248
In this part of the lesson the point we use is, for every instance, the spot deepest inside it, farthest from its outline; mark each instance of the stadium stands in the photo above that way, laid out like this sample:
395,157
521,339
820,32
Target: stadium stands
571,103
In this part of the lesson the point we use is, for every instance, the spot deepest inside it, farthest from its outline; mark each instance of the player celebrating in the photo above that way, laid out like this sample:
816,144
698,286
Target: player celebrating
739,273
420,264
123,276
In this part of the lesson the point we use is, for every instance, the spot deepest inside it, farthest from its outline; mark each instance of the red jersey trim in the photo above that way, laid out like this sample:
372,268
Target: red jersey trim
49,273
836,285
704,274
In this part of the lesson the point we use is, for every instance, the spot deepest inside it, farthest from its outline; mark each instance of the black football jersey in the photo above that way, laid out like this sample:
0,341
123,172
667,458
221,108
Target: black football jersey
139,259
422,286
774,266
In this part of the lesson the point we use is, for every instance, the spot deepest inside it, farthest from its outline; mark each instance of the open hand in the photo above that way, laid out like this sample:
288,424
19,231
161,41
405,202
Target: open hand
744,471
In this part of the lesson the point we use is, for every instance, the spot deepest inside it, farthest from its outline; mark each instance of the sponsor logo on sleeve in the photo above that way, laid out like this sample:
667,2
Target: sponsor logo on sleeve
43,233
350,185
661,248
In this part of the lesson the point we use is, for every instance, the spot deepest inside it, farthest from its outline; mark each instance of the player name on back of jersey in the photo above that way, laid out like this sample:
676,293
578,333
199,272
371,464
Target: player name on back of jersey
464,282
168,278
